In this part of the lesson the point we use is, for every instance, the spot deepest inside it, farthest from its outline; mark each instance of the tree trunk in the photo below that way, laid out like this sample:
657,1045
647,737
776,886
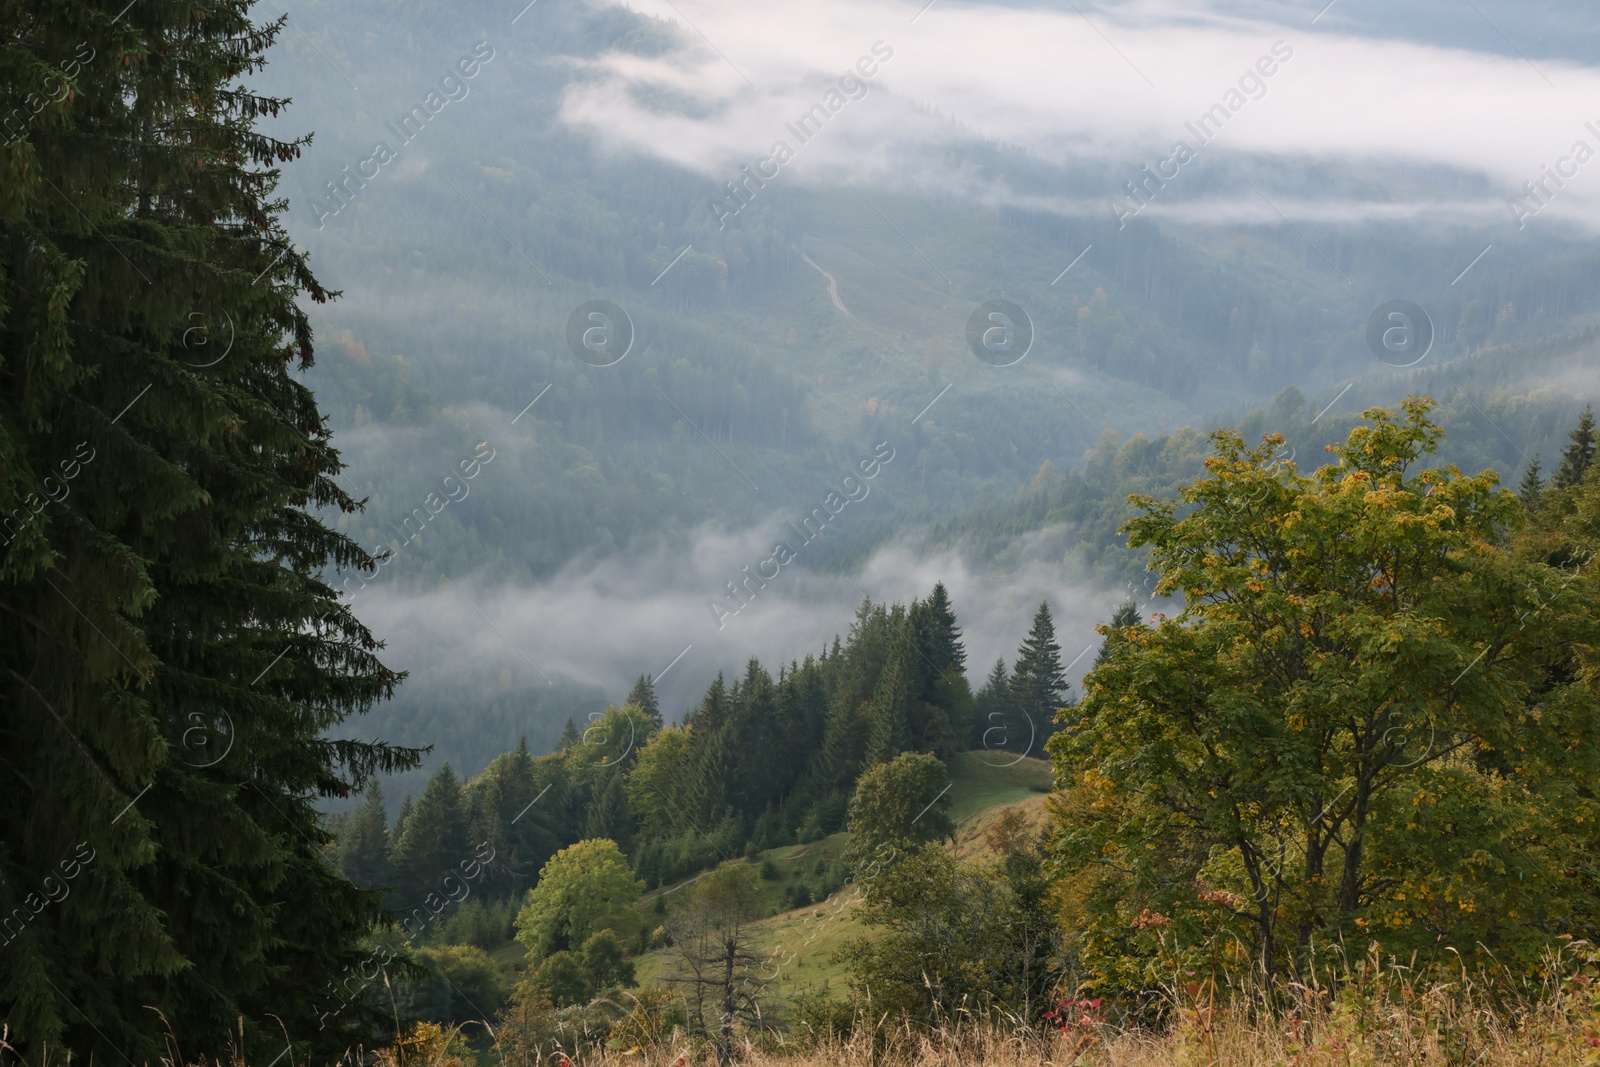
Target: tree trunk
1268,946
1350,880
725,1035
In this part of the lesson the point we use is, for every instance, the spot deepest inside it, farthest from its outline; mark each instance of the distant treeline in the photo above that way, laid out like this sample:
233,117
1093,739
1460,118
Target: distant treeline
762,760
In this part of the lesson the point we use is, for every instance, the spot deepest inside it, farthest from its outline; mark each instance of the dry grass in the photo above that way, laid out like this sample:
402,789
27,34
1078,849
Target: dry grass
1385,1014
1443,1026
1383,1024
1231,1041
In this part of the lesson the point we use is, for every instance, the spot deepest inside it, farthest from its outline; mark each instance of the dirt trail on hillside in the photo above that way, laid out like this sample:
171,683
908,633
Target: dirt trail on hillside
833,286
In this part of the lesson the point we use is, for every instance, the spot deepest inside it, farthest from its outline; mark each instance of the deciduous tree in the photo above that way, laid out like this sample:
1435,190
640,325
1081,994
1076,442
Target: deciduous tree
720,970
898,805
584,888
1370,721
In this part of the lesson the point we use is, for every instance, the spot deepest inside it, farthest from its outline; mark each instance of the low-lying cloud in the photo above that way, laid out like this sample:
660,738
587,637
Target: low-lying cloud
602,624
1114,85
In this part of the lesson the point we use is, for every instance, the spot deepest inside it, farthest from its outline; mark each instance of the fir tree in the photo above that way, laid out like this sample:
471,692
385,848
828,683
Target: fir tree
364,843
1532,486
992,718
1577,456
706,796
945,713
172,662
512,811
760,729
400,821
643,695
893,707
844,745
1038,684
872,636
434,841
944,647
608,815
569,736
804,717
1126,615
948,719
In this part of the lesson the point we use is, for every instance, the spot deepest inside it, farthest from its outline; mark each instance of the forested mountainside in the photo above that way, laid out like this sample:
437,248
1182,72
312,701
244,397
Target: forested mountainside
772,348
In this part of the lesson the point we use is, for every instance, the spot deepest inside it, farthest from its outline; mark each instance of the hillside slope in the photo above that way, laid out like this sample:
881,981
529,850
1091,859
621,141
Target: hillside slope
805,940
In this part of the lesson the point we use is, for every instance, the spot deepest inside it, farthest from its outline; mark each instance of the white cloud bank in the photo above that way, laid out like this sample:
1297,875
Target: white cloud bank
606,623
1120,85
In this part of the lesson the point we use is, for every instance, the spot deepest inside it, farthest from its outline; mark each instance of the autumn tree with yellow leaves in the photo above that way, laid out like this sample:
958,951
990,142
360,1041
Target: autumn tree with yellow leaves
1371,721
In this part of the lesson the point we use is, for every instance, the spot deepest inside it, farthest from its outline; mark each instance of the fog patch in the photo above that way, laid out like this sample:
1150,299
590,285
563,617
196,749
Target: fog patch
601,624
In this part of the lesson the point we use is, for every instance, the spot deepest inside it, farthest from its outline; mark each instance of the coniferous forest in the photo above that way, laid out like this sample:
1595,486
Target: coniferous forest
502,563
173,655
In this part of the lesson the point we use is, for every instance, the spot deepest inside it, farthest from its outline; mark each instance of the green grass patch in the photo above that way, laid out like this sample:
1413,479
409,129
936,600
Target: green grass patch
985,779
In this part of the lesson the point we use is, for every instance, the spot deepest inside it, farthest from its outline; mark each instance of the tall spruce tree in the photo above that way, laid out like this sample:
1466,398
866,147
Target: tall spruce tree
1126,615
1577,456
705,798
845,738
434,841
643,694
991,719
516,815
894,709
402,817
943,715
170,657
944,646
1529,491
1038,684
569,736
608,814
364,843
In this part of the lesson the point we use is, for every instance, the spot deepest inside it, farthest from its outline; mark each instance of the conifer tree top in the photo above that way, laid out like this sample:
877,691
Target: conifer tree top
643,696
1532,484
1577,456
